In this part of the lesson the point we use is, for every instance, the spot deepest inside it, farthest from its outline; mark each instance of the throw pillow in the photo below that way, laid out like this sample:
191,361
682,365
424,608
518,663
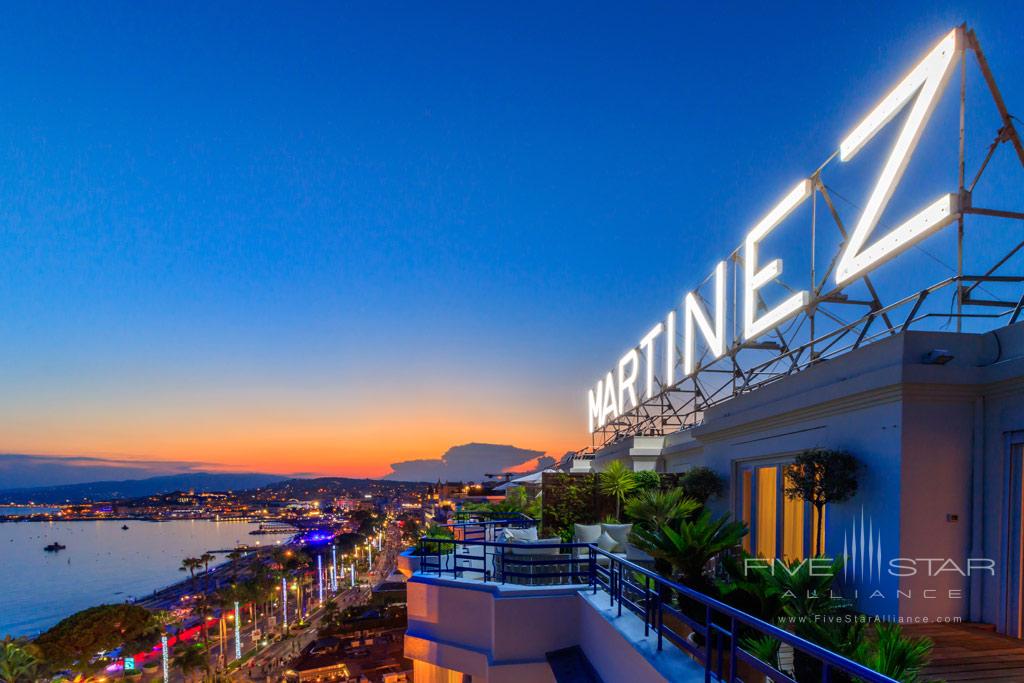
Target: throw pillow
620,532
607,543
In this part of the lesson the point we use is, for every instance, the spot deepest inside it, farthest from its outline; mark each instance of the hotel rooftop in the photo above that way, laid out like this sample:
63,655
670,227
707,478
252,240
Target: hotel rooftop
901,347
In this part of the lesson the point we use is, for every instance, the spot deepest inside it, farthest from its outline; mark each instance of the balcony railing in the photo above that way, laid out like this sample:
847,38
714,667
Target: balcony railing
462,515
706,629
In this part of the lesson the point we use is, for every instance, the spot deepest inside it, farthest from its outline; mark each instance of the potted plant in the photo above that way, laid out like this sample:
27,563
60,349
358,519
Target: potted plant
702,484
820,476
688,546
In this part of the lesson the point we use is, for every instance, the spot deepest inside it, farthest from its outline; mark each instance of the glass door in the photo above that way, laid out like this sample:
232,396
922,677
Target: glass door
779,525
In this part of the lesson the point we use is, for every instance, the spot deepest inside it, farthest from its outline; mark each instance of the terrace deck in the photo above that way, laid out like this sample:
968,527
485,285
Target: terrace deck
971,652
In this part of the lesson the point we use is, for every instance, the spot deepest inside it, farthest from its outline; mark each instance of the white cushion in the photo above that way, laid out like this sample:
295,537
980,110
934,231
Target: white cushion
586,533
528,548
620,532
553,550
521,535
606,543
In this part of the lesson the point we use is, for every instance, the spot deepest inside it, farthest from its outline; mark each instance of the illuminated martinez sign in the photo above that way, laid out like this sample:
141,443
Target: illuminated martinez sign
653,366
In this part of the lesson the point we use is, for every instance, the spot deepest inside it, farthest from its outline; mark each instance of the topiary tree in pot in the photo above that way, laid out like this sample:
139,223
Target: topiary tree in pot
821,476
647,480
702,484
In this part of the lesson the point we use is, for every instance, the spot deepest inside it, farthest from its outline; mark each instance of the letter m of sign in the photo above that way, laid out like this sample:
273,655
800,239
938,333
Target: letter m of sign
926,81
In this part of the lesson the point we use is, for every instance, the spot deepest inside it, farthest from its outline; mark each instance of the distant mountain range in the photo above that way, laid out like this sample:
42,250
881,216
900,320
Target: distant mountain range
318,488
135,488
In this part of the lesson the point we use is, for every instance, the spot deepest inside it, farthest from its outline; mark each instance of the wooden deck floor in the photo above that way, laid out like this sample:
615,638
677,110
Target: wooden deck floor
970,652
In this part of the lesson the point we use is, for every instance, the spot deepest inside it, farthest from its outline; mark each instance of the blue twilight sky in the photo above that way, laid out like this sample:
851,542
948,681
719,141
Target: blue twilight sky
328,236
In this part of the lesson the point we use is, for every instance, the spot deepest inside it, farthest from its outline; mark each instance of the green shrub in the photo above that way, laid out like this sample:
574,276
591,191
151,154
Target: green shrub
702,484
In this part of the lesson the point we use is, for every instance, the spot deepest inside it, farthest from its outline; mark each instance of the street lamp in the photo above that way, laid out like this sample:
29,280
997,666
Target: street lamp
238,633
163,657
284,603
320,577
334,568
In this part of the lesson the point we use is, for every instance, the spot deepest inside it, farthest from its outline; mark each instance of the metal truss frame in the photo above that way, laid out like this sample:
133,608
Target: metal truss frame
788,348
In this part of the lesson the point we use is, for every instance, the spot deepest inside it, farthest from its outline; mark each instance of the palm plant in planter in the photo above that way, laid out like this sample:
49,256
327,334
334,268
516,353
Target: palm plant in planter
687,546
651,508
617,481
749,587
896,655
807,588
691,545
764,648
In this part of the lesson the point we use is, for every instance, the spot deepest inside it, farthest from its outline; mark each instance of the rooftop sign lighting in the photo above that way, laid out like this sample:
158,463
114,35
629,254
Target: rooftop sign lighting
635,374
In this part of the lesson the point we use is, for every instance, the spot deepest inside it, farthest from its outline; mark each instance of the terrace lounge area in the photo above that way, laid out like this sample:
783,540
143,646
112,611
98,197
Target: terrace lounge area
500,610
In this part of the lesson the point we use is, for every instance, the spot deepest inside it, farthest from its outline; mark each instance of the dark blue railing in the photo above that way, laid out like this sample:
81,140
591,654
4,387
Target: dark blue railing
650,596
462,515
484,525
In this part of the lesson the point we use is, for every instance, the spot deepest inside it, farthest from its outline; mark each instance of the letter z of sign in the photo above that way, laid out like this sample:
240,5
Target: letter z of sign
927,80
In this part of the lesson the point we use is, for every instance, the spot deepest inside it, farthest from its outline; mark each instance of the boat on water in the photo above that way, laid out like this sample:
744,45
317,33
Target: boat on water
124,527
54,547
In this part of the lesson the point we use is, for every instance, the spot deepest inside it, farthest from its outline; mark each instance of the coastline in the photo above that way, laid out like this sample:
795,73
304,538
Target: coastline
119,518
118,571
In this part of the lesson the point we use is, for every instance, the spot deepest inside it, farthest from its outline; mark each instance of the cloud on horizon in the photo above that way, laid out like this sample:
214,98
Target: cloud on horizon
470,462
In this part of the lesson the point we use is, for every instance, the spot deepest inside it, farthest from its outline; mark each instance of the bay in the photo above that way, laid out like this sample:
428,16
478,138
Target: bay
102,564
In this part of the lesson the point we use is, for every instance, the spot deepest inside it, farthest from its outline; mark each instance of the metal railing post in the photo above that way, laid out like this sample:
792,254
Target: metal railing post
707,644
593,567
503,548
647,606
620,590
661,621
733,637
611,583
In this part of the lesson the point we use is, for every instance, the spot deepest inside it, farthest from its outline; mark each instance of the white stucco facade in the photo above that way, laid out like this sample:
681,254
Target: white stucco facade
940,476
502,633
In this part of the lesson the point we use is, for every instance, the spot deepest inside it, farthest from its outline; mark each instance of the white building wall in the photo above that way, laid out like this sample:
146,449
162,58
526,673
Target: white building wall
492,635
933,440
502,634
935,504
